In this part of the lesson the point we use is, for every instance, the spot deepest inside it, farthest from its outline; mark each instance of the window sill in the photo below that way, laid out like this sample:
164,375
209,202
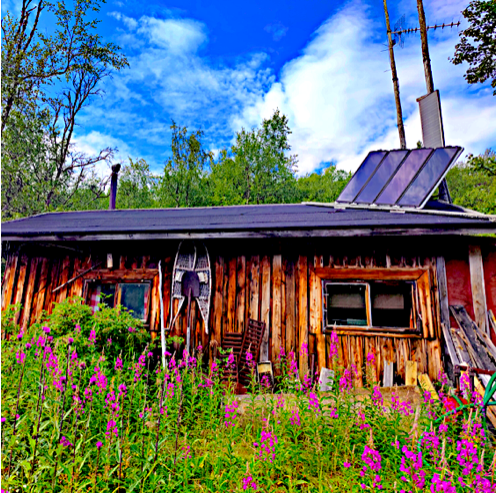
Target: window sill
376,331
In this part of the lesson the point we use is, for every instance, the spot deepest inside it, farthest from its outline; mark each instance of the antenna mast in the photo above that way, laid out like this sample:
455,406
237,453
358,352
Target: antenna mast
399,114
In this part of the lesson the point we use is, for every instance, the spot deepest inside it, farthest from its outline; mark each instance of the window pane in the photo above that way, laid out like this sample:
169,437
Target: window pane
134,297
392,304
346,304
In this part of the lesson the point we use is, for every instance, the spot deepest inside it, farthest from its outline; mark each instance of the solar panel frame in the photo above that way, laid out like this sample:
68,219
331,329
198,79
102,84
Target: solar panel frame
457,151
355,178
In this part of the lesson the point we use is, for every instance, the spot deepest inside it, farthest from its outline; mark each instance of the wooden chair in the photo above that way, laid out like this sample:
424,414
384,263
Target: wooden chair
241,344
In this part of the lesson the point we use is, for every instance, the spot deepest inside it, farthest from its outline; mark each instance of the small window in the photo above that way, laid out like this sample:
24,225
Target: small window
133,296
379,304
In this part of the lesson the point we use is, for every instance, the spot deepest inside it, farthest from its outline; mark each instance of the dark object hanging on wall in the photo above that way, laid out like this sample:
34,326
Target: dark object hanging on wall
191,279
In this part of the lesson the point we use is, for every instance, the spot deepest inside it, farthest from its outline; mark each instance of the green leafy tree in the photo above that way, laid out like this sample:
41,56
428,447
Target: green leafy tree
47,78
322,187
473,183
137,187
477,44
184,181
257,169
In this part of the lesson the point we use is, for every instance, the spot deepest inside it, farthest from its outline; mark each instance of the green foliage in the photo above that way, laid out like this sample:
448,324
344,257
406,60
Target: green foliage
137,186
115,329
257,168
183,181
9,327
322,187
72,423
477,44
472,184
47,78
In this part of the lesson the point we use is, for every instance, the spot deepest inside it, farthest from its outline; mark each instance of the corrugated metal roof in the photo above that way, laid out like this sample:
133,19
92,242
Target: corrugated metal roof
235,221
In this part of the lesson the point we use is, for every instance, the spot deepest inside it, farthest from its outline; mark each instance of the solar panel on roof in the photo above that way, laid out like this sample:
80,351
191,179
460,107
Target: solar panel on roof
429,177
361,176
399,178
403,177
382,175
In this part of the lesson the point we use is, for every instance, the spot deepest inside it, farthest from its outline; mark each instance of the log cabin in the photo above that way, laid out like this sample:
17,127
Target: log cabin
381,277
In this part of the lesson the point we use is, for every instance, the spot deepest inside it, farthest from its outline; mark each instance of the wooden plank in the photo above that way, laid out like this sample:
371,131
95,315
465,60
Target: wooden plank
277,340
435,365
467,327
61,295
21,284
225,288
290,307
9,279
302,269
217,307
486,343
423,287
121,275
155,307
444,303
316,313
265,307
72,285
374,273
460,348
241,294
478,286
42,290
254,276
426,385
231,297
29,298
283,301
388,374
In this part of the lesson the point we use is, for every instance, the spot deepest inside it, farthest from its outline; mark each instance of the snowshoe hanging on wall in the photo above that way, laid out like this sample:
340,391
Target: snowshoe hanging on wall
191,279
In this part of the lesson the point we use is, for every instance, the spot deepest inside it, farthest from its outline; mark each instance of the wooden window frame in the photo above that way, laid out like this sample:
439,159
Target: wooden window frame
427,304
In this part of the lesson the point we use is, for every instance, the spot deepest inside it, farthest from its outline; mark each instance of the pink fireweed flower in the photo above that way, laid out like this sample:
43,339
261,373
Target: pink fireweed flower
345,382
231,414
88,394
377,397
138,368
362,421
99,379
28,345
70,340
112,428
373,463
304,349
92,337
46,330
249,360
20,357
371,358
169,393
65,442
346,465
293,366
199,348
149,355
131,329
122,390
333,345
295,418
77,329
41,341
21,334
146,410
249,483
3,420
99,445
334,413
266,446
282,354
404,408
306,384
265,382
231,362
313,402
118,364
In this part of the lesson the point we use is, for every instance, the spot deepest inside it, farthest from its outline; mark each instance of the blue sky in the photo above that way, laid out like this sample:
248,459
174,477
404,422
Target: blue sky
221,66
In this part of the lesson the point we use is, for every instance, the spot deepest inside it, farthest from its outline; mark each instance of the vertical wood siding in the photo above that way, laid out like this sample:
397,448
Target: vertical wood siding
267,281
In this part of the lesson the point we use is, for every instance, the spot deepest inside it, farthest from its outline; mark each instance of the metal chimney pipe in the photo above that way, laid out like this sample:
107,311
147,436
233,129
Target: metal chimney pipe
113,185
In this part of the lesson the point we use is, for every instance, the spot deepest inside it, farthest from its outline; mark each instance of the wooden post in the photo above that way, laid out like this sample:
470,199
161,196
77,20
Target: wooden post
478,288
425,48
396,85
265,307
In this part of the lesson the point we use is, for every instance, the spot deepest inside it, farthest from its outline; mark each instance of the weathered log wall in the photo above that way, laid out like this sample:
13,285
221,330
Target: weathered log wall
275,281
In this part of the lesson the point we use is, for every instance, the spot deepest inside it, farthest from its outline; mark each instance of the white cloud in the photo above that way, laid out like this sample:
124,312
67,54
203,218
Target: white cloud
338,94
